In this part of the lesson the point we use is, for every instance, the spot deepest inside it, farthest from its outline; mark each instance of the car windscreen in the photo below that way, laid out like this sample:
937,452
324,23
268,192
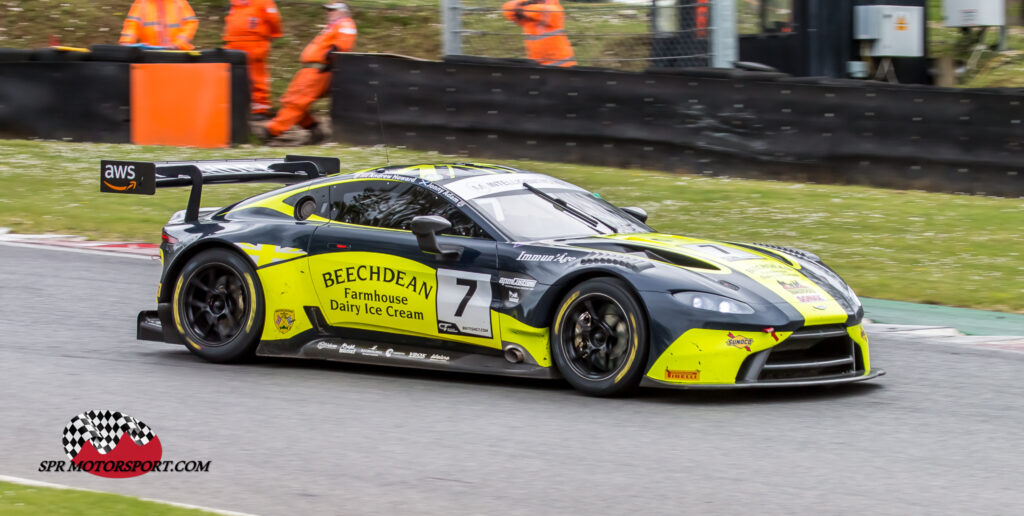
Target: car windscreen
525,216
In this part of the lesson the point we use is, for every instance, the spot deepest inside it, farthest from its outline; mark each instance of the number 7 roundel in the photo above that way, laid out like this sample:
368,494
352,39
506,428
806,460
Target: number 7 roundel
463,303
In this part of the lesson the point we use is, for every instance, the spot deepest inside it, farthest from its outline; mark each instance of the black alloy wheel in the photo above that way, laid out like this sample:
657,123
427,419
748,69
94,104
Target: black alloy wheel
599,340
218,306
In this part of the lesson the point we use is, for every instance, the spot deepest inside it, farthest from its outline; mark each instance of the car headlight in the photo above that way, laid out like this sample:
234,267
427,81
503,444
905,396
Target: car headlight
835,282
713,303
852,296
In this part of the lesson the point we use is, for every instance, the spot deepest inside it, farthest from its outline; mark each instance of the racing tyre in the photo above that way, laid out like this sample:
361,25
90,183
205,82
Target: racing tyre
599,338
218,306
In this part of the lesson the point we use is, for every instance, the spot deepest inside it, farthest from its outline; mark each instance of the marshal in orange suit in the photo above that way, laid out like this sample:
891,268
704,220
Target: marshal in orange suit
314,79
543,23
250,27
160,23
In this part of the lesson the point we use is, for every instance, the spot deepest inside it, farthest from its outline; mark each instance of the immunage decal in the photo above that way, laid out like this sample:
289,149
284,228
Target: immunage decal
114,445
555,258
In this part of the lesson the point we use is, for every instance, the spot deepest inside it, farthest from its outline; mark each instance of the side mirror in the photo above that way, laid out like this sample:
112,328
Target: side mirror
637,213
426,228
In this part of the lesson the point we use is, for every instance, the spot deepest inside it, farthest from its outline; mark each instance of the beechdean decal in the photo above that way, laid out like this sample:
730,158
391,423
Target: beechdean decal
113,444
131,177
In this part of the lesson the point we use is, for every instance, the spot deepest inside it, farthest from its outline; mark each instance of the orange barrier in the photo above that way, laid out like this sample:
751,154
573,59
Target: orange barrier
181,104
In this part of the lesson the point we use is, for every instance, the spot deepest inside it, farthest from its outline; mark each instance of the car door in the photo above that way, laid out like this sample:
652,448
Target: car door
374,281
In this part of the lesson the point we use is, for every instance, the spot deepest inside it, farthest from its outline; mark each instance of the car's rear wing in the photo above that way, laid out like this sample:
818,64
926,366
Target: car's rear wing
144,177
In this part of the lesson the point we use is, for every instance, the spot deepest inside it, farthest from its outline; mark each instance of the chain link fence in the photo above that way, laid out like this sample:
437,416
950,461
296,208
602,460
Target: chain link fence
627,35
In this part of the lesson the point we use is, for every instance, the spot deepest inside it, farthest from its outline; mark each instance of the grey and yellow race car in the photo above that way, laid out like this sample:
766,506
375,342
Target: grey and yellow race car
484,269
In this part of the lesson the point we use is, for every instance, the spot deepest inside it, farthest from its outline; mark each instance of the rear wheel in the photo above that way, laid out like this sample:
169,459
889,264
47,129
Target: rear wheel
218,306
599,338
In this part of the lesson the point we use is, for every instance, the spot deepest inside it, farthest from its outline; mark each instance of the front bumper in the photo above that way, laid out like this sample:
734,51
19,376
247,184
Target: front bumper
812,355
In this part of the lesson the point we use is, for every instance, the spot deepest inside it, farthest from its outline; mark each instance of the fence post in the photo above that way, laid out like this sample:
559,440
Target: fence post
723,33
451,27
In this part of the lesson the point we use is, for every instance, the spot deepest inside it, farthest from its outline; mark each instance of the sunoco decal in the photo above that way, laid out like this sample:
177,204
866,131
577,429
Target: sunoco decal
739,341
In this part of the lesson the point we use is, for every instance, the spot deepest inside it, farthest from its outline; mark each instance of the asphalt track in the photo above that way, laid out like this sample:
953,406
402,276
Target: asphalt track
940,434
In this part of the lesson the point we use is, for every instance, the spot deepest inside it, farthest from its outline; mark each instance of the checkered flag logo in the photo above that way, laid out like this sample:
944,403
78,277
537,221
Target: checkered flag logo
104,430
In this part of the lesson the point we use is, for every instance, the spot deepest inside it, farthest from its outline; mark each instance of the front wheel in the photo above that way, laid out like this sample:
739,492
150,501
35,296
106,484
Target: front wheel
218,306
599,338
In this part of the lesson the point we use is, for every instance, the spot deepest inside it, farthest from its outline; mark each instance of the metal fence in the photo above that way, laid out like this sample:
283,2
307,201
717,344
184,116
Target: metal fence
628,35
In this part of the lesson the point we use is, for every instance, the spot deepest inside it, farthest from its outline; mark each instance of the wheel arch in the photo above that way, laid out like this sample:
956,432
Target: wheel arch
572,280
175,267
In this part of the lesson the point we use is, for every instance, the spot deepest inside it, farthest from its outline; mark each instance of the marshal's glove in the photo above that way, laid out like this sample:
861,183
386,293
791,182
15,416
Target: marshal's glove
519,8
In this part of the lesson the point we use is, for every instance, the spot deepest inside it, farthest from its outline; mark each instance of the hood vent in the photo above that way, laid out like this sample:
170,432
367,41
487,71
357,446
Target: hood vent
661,255
773,251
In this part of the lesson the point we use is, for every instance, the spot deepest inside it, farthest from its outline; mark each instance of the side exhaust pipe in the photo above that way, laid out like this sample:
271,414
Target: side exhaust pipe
514,355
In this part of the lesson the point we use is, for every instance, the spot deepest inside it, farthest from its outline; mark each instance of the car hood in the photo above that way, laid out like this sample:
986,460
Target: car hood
748,273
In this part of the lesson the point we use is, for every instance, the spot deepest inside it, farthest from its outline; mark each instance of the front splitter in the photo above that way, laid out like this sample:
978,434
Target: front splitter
875,373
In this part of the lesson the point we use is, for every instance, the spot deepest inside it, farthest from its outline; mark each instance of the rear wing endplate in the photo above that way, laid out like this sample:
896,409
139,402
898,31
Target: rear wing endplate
144,177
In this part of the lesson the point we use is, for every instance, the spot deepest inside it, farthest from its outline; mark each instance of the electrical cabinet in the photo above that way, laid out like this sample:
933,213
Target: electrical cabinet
974,13
891,30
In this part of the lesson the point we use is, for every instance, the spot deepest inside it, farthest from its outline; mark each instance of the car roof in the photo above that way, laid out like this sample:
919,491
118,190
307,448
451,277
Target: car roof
439,174
442,174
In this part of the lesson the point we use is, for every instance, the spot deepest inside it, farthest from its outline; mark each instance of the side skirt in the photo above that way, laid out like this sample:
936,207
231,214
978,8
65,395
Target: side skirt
403,355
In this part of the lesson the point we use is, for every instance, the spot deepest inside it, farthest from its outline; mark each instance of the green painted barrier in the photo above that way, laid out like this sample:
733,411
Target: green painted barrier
971,322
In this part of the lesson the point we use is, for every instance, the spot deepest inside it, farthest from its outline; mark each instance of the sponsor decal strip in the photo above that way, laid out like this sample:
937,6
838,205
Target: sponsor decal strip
379,351
480,186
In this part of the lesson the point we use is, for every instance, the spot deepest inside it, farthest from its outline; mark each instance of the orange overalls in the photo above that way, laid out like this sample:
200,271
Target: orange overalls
160,23
250,27
543,23
314,79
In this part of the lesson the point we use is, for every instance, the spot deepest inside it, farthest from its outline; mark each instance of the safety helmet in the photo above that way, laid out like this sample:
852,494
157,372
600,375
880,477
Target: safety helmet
336,6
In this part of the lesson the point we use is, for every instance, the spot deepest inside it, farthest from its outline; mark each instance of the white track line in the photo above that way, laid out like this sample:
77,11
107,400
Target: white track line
37,483
80,251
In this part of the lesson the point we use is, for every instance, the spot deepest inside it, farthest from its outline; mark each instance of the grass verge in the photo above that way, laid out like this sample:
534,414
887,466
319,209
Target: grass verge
17,499
914,246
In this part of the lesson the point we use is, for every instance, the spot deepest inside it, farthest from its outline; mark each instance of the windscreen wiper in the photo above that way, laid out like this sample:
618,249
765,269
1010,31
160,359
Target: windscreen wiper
568,208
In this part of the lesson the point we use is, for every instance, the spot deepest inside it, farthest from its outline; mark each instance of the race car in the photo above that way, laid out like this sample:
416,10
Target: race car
484,269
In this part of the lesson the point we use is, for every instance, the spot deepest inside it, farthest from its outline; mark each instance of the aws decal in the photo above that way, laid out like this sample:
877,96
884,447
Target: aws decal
127,177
